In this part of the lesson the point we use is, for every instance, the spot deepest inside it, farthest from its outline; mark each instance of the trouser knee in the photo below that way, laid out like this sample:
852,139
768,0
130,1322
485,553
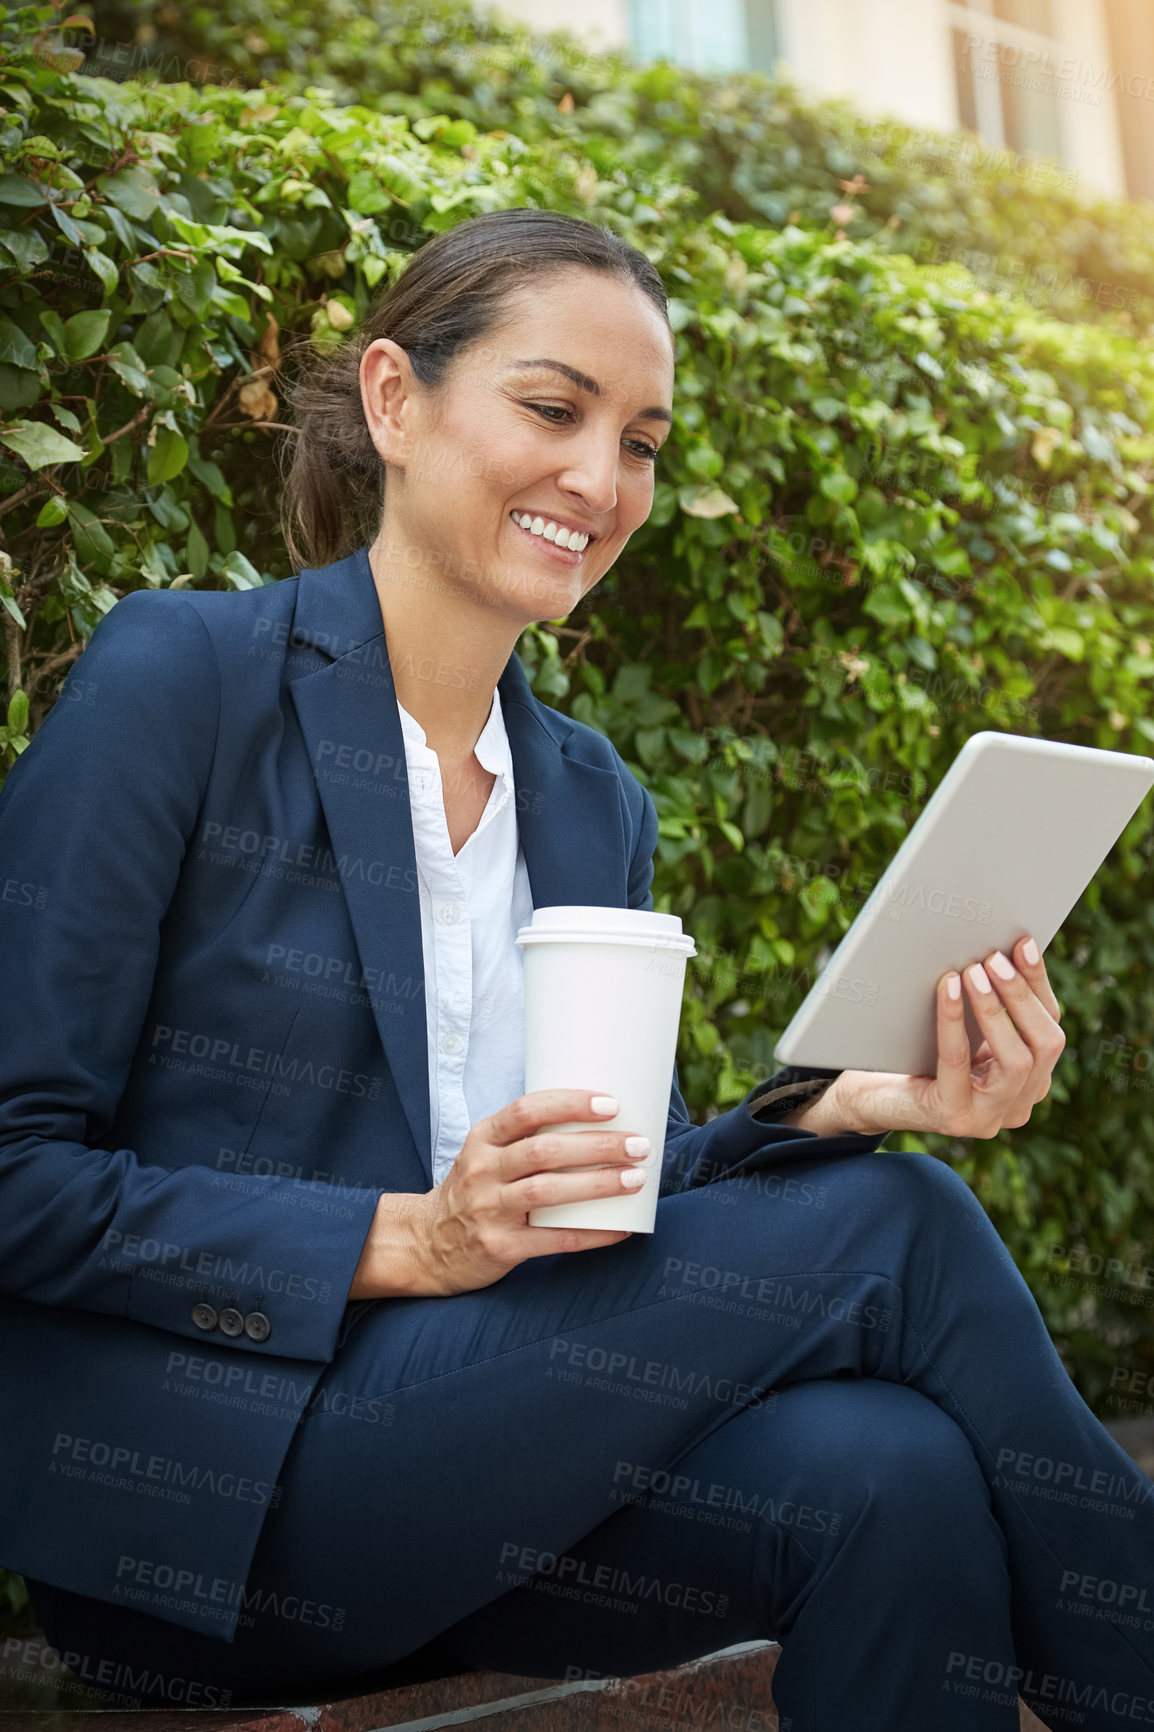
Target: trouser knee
929,1191
879,1452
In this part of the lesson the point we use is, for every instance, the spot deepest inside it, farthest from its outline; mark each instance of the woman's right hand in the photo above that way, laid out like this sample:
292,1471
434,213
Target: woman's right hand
473,1227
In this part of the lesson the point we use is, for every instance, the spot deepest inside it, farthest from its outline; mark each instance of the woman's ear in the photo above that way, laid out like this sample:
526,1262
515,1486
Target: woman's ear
387,397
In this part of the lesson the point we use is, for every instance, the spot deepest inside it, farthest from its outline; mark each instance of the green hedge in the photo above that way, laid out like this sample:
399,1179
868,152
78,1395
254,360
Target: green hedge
893,511
757,150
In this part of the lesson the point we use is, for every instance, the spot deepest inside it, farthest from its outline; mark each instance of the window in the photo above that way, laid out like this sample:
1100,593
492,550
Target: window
1131,36
1005,60
708,35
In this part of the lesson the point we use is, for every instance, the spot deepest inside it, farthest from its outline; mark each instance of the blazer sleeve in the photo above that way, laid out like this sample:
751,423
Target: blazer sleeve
95,818
729,1143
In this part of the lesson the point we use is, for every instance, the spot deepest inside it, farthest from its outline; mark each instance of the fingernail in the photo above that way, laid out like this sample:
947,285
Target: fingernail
1002,965
1030,951
954,985
603,1104
633,1179
637,1145
980,978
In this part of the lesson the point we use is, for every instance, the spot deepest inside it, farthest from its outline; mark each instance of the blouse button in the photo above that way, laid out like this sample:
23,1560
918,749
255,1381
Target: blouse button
451,1043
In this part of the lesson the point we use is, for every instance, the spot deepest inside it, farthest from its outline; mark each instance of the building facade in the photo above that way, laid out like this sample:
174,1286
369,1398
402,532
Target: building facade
1071,81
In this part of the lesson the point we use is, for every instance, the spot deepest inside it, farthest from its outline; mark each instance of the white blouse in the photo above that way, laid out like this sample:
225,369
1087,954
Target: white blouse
472,904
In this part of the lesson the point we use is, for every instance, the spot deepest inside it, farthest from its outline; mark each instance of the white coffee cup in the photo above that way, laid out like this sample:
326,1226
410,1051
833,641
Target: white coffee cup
603,991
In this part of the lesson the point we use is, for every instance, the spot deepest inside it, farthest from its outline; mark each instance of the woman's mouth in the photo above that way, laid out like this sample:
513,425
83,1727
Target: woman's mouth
564,545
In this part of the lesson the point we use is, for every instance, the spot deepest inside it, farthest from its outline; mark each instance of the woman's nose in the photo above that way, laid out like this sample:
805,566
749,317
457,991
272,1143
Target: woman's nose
592,473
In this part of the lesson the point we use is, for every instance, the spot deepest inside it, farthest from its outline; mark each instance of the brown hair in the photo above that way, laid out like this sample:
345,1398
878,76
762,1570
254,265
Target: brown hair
451,294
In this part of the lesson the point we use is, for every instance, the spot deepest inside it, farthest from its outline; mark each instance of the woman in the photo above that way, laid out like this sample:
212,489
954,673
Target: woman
299,1402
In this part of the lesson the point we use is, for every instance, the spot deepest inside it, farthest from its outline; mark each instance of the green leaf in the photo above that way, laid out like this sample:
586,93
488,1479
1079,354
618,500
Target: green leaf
132,190
1067,642
104,268
39,445
211,476
9,603
196,552
52,512
18,189
239,573
650,746
134,377
18,712
85,332
167,457
92,541
16,348
19,389
837,484
690,746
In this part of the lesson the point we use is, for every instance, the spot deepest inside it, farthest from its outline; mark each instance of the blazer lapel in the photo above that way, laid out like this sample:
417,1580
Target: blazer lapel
568,811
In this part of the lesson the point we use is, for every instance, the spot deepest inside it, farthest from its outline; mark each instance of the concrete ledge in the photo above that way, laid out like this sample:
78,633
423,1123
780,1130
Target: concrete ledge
731,1689
735,1681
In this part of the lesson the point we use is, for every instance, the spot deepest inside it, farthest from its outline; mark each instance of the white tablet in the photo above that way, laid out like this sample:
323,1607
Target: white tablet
1004,847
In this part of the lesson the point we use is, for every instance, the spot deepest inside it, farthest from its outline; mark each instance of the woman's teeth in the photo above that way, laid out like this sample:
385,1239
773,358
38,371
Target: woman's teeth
550,531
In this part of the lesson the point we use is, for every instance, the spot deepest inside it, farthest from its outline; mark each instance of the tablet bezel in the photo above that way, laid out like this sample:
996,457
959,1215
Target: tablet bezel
836,1027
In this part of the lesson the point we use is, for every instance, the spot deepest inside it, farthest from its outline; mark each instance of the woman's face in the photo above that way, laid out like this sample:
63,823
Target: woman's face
554,419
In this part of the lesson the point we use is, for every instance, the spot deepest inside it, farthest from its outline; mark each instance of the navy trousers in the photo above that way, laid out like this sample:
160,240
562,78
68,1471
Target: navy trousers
818,1404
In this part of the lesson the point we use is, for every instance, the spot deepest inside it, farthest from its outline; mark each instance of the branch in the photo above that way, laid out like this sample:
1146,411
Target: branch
12,641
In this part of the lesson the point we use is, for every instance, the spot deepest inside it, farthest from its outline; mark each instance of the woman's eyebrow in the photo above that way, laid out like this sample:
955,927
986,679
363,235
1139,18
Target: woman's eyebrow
585,383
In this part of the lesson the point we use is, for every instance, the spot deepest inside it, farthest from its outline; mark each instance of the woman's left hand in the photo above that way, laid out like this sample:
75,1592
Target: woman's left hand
996,1088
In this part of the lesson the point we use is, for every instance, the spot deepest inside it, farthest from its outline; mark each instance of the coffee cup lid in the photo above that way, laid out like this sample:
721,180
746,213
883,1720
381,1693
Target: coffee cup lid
576,922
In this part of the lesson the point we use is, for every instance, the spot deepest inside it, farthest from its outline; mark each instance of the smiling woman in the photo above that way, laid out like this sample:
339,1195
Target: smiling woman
297,1403
542,408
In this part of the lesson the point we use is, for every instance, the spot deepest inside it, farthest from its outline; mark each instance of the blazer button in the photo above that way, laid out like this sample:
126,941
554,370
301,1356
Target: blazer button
204,1316
257,1326
231,1321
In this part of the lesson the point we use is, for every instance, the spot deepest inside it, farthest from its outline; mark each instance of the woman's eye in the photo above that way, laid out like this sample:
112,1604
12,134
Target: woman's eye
648,452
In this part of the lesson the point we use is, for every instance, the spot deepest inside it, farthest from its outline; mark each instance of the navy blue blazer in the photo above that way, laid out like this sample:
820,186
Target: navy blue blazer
213,1057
